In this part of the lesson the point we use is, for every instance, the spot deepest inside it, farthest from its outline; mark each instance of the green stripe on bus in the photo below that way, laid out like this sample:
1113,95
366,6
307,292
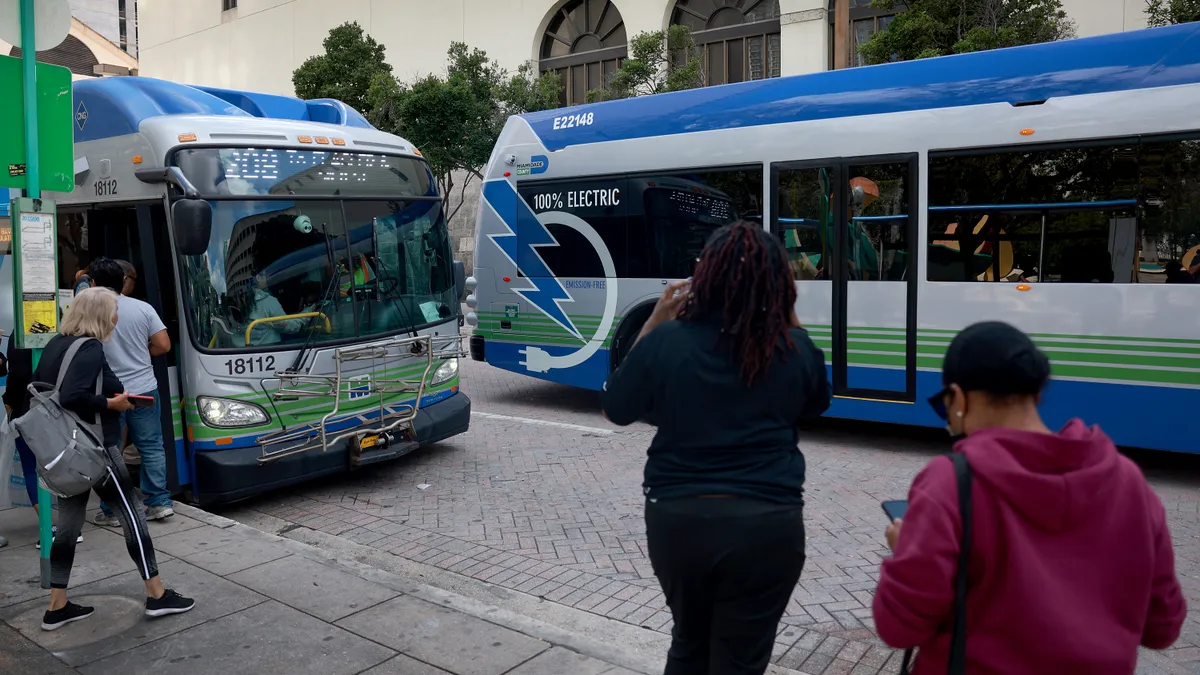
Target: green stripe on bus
201,431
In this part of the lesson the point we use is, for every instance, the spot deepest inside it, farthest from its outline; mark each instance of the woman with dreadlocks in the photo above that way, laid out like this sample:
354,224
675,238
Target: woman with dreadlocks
725,372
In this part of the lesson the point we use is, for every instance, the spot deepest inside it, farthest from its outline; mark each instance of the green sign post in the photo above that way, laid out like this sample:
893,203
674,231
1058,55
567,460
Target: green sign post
35,233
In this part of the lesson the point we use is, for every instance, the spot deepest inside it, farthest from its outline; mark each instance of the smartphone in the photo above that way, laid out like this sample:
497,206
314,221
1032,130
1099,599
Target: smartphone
142,401
893,509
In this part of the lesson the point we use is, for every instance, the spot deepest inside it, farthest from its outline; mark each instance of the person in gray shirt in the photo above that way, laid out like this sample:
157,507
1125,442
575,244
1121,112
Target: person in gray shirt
139,337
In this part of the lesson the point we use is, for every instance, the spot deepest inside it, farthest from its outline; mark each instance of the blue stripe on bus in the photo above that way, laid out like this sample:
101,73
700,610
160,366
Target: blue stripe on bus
1141,59
1132,415
1037,207
590,374
344,424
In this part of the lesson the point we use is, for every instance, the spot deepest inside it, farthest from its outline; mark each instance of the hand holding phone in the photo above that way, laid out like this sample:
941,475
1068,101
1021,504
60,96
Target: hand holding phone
142,401
894,509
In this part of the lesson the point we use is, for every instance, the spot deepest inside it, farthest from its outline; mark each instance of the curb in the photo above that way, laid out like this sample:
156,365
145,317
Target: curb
358,563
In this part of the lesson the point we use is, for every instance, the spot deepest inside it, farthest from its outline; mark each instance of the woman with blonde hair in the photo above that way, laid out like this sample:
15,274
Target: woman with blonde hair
92,316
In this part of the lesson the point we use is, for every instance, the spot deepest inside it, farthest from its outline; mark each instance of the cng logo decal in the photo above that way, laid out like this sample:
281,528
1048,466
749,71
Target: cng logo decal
526,233
81,116
536,164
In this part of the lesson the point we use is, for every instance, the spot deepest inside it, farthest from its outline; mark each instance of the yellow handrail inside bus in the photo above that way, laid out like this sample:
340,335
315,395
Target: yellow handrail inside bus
287,317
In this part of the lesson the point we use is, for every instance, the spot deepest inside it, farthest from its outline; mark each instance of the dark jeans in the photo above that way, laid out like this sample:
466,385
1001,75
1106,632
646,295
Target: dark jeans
728,567
28,469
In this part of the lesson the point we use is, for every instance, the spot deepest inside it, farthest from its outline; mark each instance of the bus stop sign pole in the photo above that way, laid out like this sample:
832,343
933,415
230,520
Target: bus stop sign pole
35,249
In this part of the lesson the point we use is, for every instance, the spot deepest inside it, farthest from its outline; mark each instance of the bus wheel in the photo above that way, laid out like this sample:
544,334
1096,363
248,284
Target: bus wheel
628,332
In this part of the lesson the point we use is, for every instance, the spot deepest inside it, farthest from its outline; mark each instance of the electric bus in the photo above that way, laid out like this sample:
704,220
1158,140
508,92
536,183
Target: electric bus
1046,186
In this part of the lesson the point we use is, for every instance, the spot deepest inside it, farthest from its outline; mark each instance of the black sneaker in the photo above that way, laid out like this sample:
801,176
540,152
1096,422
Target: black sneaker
60,617
170,603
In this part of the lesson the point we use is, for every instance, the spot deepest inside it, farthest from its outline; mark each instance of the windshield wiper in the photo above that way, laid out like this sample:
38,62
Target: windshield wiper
326,294
412,327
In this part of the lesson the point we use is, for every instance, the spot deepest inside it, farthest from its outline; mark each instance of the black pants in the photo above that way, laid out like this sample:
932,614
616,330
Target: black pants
728,567
118,491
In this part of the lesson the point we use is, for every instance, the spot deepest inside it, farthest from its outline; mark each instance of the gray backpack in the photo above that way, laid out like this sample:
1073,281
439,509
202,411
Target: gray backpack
70,452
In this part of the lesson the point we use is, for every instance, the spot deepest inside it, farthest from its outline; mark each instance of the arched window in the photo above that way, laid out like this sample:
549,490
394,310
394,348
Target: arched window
585,44
738,39
855,21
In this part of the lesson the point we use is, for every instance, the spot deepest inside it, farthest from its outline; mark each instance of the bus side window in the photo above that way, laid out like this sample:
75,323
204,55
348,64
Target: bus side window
672,216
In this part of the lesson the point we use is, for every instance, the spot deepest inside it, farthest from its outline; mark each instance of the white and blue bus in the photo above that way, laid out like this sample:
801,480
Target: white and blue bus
301,262
1048,186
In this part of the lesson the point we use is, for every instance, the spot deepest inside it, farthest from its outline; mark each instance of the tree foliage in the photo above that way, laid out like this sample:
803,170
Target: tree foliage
454,120
351,61
1168,12
930,28
659,61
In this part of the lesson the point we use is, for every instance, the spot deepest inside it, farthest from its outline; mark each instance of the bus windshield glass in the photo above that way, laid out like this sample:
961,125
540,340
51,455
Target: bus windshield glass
332,265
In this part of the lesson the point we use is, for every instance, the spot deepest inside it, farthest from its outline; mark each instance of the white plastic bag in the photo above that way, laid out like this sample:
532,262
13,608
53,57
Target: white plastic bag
12,479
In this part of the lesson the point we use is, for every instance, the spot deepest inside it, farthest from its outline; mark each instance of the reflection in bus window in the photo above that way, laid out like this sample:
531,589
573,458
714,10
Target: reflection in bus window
270,262
804,220
1035,215
877,241
672,216
1169,175
876,221
402,273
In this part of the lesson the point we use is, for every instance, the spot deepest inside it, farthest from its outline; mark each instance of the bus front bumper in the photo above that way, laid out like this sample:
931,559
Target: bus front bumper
224,476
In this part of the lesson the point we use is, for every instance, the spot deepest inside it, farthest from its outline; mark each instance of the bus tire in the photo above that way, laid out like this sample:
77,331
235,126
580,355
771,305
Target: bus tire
627,333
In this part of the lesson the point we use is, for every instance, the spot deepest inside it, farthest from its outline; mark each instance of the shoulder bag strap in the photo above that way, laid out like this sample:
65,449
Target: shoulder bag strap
66,364
68,357
958,638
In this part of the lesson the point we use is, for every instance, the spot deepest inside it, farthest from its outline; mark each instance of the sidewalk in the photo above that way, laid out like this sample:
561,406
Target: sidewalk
267,605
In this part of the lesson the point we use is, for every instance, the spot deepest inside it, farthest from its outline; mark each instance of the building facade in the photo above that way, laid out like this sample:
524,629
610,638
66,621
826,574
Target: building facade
256,44
116,20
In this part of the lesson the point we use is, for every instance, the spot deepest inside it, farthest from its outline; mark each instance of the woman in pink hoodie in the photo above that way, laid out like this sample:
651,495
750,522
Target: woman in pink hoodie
1070,565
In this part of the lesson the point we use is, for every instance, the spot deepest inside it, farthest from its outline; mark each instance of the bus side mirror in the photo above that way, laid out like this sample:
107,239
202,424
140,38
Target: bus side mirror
460,279
192,221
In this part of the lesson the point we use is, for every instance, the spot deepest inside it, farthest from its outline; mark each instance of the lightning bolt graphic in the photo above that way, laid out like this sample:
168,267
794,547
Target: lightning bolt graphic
546,292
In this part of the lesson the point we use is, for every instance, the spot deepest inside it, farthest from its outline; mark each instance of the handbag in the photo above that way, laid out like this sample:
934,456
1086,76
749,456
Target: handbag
70,453
958,636
9,467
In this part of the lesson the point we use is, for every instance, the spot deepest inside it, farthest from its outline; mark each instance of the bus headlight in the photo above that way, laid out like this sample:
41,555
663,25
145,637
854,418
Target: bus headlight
444,373
226,413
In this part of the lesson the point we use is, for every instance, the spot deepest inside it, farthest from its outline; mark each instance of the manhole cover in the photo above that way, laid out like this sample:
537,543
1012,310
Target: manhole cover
114,615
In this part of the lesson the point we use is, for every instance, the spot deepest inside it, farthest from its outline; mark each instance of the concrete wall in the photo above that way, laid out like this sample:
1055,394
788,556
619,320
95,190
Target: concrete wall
1098,17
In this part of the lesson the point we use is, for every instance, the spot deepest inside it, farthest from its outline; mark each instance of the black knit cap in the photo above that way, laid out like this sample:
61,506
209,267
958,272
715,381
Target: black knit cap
995,358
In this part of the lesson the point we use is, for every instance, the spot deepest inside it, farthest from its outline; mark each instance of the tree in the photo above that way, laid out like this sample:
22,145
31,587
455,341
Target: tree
455,120
351,61
1168,12
659,61
931,28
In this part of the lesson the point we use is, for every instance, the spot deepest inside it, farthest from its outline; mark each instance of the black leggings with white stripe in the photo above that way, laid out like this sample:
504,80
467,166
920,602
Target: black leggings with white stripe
117,491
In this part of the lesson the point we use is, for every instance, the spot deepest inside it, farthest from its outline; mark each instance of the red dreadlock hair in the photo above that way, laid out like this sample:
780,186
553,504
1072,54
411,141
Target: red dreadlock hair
743,276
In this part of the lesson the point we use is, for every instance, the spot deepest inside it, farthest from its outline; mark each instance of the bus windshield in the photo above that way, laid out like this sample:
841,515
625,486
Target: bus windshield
362,251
